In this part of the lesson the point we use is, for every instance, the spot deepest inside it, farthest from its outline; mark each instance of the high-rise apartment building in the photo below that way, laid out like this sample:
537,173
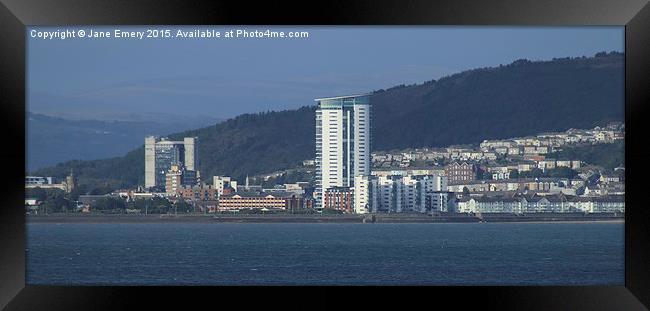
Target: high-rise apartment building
342,142
161,154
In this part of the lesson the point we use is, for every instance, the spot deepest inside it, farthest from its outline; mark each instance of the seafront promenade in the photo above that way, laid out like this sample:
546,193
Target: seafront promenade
293,218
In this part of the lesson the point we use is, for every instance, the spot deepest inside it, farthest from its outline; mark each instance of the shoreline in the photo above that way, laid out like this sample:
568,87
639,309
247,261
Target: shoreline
361,219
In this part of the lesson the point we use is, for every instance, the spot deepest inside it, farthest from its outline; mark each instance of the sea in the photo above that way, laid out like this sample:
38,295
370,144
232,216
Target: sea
325,254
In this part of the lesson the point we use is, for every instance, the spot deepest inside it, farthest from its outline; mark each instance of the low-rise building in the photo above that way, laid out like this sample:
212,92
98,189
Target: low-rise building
259,200
599,204
535,203
488,204
547,164
500,175
605,179
487,145
339,198
202,192
458,172
536,149
297,188
38,180
413,171
501,168
515,151
32,205
486,186
526,166
463,205
45,183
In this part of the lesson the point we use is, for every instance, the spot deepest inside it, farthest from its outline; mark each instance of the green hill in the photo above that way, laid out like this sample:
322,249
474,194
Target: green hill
518,99
607,156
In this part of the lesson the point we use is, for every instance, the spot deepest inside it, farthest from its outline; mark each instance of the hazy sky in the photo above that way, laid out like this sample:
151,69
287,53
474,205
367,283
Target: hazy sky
103,78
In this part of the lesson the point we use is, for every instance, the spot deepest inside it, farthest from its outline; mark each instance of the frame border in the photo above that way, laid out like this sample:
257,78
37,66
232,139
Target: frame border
15,15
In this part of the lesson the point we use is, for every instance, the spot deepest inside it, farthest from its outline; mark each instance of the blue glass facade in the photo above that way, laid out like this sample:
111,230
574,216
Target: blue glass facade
166,155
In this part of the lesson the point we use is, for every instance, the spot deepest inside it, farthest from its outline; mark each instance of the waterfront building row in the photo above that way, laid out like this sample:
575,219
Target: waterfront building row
535,203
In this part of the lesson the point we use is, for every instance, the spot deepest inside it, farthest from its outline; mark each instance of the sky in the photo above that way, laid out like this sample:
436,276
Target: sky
117,78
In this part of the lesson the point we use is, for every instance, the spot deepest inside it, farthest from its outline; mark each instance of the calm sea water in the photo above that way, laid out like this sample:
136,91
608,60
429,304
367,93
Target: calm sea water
326,254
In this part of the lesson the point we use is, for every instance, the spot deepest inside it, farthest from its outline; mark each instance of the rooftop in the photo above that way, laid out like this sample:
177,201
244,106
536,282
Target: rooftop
260,194
342,97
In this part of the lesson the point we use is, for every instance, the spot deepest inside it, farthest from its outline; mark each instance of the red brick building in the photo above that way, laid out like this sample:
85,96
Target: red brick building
339,198
459,172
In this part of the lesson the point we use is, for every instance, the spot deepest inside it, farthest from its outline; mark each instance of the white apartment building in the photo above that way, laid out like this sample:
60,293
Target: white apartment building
342,142
364,200
398,194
